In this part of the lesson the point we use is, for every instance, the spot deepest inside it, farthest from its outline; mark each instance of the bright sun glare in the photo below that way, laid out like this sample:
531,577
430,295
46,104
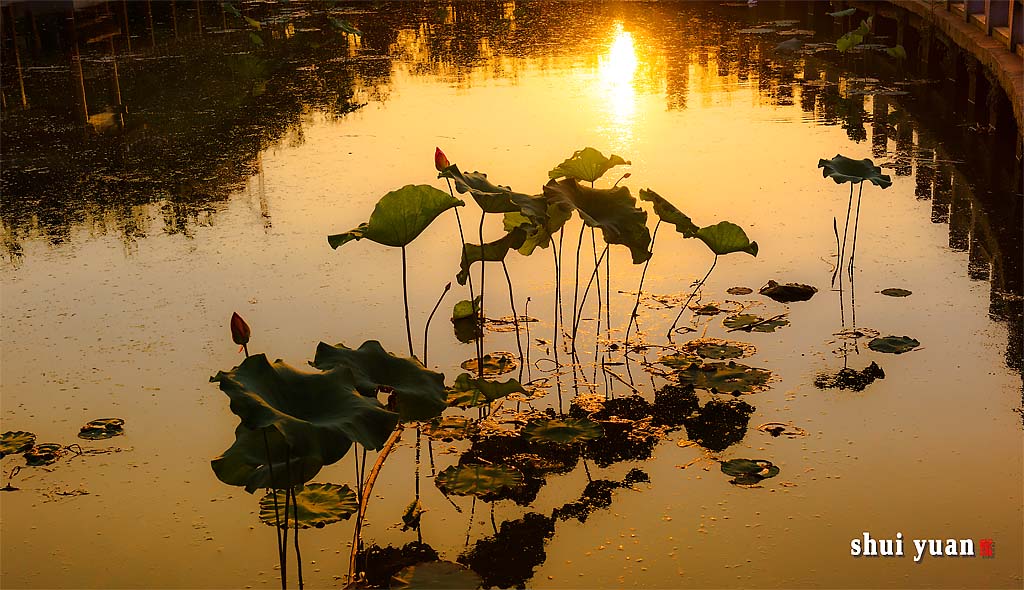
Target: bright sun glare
616,70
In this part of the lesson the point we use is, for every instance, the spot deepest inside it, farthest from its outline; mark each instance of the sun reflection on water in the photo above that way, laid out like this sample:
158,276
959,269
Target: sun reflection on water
616,71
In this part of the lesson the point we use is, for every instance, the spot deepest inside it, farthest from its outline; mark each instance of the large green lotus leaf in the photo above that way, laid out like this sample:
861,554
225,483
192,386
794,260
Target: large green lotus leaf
469,392
725,238
494,198
318,505
613,210
420,392
466,309
436,575
749,471
724,377
13,442
563,431
669,214
476,480
842,169
587,164
894,344
538,233
258,454
400,216
490,252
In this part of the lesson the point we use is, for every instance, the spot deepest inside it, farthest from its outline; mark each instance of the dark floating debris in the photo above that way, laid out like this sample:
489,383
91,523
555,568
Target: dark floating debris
789,292
43,454
739,290
748,472
893,344
896,292
753,323
495,363
379,564
102,428
777,429
507,560
849,378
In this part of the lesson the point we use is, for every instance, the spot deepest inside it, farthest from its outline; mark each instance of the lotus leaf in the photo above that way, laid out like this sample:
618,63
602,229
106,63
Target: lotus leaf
789,292
468,392
739,290
894,344
449,428
538,233
719,351
563,431
493,198
43,454
477,480
304,420
411,517
897,52
490,252
896,292
13,442
466,309
344,26
668,213
753,323
419,391
400,216
587,164
777,429
679,361
842,169
439,575
496,363
613,210
318,505
852,379
102,428
724,377
855,37
725,238
842,13
749,471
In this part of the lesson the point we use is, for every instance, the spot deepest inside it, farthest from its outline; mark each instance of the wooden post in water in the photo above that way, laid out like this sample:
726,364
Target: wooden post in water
17,54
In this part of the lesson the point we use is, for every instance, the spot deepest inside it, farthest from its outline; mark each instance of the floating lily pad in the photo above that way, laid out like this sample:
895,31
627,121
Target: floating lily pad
724,377
849,378
469,392
893,344
16,441
495,363
562,430
412,514
756,31
436,575
102,428
477,480
679,361
896,292
749,471
708,309
789,292
587,164
43,454
449,428
319,504
466,320
753,323
739,290
717,349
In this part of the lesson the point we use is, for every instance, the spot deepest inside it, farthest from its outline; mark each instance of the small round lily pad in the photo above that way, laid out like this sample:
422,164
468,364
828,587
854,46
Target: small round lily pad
439,575
725,377
496,363
563,430
753,323
747,472
13,442
893,344
43,454
739,290
102,428
319,504
896,292
477,480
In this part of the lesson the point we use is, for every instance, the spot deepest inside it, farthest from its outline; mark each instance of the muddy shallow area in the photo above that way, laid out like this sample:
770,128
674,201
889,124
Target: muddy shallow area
217,157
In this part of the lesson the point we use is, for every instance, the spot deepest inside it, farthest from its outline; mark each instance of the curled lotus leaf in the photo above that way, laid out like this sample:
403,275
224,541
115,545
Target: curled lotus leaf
842,169
436,575
477,480
725,238
494,198
728,377
495,251
612,210
538,231
448,428
43,454
317,504
13,442
563,431
894,344
749,471
469,392
400,216
419,391
587,165
668,213
102,428
495,363
295,422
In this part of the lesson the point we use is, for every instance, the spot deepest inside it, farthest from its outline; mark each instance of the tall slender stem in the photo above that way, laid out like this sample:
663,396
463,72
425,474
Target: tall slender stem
576,285
364,498
639,289
856,220
298,553
515,314
277,512
695,289
846,227
483,267
405,298
472,295
586,291
554,339
426,328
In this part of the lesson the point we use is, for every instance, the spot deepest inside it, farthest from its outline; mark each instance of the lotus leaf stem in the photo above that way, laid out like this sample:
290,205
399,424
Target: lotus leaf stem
405,298
515,315
364,498
842,249
687,303
426,328
639,289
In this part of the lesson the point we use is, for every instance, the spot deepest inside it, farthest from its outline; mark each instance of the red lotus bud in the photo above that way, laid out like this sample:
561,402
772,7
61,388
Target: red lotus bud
440,160
240,331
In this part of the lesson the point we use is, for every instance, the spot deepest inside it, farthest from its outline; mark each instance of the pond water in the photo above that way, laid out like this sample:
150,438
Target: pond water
239,150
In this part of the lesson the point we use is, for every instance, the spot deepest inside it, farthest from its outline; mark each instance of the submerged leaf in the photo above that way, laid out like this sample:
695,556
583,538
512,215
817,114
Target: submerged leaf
613,210
668,213
436,575
754,323
749,471
725,238
419,391
842,169
562,431
587,164
724,377
102,428
495,363
411,517
13,442
468,392
318,505
400,216
894,344
43,454
477,480
896,292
